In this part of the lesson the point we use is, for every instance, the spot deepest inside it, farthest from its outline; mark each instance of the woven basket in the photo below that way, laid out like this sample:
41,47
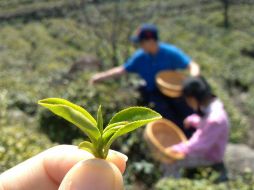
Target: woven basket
170,83
160,135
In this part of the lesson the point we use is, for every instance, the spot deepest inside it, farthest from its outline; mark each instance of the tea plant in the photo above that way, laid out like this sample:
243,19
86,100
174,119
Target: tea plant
100,138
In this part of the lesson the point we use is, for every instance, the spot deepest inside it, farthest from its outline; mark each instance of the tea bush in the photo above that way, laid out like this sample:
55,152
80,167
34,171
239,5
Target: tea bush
36,54
18,143
3,107
242,182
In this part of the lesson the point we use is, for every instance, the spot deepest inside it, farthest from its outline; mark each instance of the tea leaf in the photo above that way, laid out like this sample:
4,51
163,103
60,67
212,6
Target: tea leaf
100,120
110,132
123,122
74,114
114,125
137,116
87,146
134,114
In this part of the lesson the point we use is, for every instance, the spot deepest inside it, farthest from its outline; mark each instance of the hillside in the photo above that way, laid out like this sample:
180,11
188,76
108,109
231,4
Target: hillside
41,40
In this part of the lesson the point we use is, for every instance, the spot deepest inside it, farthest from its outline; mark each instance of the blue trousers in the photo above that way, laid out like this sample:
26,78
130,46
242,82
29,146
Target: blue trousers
174,109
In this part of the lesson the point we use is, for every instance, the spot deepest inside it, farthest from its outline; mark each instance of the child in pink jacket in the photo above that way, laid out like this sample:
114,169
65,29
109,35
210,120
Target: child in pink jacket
207,145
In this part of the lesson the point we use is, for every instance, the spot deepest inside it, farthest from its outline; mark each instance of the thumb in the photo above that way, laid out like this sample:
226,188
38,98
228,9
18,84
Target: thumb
93,174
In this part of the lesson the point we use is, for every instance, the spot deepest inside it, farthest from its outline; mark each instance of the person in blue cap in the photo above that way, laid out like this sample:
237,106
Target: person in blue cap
152,57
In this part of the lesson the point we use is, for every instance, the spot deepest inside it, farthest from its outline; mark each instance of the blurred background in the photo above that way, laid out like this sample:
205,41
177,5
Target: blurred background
50,48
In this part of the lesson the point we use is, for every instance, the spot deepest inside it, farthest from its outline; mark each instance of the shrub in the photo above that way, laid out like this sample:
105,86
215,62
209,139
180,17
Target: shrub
243,182
18,144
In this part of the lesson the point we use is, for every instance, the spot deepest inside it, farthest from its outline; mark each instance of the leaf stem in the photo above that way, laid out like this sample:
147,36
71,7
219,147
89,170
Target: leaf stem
100,150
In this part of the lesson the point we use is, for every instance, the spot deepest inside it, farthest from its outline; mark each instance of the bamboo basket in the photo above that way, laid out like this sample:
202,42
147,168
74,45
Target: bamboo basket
160,135
170,83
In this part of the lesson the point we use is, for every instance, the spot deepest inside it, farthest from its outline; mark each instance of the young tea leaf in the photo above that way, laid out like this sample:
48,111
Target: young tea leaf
69,104
100,120
137,117
114,125
87,146
110,132
134,114
123,122
74,114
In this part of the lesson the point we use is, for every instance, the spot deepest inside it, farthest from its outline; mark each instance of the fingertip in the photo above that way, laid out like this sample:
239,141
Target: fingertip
119,159
119,154
93,174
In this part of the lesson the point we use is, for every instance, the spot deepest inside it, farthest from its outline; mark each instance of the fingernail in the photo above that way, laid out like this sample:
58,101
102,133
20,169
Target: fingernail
121,155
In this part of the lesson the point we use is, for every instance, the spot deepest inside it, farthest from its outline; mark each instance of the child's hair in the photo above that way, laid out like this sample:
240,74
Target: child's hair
198,88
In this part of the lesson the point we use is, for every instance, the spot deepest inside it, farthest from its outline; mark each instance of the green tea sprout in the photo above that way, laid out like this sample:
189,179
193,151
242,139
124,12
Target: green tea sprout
100,137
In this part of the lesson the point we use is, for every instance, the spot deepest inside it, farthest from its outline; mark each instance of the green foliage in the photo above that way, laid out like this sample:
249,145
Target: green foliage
3,107
18,143
121,123
243,182
129,119
74,114
37,52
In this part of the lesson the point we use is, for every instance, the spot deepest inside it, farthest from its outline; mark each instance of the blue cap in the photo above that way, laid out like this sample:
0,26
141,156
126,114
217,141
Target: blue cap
145,32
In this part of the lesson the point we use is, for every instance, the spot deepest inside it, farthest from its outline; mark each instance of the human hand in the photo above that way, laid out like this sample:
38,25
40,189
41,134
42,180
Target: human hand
53,169
194,69
177,155
186,123
169,150
192,121
95,79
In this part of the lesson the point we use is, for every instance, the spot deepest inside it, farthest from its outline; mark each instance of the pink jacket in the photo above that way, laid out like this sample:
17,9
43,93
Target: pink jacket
210,139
